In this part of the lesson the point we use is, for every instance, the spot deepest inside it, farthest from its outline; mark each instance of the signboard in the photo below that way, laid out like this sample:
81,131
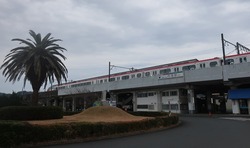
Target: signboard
171,75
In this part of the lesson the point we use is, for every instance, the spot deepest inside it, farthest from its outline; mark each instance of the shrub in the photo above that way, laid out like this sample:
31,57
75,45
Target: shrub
30,113
16,133
69,113
149,114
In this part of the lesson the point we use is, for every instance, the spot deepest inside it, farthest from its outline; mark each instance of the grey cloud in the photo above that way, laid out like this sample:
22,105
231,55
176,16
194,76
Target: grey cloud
129,33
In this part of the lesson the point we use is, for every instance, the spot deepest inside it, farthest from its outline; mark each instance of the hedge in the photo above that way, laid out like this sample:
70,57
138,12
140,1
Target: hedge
149,114
20,133
30,113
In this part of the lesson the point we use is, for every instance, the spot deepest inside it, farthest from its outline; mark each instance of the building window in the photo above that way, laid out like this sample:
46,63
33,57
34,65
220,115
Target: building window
151,94
165,93
142,106
173,93
142,95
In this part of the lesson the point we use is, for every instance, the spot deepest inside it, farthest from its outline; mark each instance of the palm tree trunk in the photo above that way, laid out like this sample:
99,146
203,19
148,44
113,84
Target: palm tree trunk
35,96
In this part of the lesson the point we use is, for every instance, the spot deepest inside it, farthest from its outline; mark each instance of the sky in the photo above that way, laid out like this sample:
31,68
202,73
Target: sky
127,33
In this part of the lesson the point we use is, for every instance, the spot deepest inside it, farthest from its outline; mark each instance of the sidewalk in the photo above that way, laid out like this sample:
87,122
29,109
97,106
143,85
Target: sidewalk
215,115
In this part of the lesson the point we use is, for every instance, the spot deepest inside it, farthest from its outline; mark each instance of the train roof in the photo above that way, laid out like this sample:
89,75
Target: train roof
190,61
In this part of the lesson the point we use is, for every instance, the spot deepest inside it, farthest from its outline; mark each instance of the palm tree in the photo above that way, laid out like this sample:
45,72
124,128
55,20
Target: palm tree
38,60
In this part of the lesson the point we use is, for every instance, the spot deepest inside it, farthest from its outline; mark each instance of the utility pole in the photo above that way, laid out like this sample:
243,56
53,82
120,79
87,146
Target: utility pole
223,49
109,71
238,48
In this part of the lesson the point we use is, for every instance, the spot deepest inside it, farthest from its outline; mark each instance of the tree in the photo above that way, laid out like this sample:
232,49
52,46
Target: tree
38,60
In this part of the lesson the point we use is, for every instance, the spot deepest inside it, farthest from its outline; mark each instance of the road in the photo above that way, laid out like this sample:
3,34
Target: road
194,132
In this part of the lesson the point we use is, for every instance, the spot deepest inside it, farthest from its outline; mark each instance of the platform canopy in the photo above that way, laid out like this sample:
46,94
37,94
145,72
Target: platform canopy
235,94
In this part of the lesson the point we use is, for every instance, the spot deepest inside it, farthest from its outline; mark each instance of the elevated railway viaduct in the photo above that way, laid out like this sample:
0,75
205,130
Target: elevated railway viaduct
194,91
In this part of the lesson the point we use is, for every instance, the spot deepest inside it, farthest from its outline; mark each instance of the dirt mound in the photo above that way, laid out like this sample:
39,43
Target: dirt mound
104,111
95,114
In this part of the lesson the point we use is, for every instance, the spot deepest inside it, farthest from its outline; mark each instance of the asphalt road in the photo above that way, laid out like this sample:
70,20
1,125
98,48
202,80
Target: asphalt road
194,132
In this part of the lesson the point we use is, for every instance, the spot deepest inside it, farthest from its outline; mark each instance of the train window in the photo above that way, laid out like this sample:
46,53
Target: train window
112,79
154,73
118,78
176,69
105,80
165,71
87,83
138,75
125,77
188,67
101,81
133,76
229,61
244,59
202,65
147,74
213,64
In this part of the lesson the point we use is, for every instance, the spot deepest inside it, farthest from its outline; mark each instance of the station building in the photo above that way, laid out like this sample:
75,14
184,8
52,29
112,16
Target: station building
216,89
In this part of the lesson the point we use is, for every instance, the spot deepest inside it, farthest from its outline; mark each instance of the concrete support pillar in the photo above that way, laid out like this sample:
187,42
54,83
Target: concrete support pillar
210,102
104,95
73,104
159,101
134,101
248,104
235,107
64,104
191,102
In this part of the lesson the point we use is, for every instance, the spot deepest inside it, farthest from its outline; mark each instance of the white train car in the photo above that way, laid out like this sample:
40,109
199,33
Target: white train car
159,70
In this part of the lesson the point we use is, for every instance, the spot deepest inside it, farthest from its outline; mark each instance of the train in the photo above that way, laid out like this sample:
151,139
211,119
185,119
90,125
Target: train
158,70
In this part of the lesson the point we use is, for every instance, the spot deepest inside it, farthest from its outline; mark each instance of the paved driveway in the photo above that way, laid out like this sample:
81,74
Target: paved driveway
194,132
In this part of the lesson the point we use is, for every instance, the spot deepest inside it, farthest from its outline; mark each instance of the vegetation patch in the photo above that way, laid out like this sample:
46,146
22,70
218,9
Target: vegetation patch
149,114
104,121
30,113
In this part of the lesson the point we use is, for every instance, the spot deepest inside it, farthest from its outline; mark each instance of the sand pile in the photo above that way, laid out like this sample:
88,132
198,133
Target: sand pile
95,114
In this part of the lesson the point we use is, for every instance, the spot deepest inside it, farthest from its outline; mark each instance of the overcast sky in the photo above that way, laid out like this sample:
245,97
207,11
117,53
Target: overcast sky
128,33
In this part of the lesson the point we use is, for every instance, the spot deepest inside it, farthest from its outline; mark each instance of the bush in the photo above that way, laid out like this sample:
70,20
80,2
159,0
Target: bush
11,100
149,114
19,133
30,113
69,113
